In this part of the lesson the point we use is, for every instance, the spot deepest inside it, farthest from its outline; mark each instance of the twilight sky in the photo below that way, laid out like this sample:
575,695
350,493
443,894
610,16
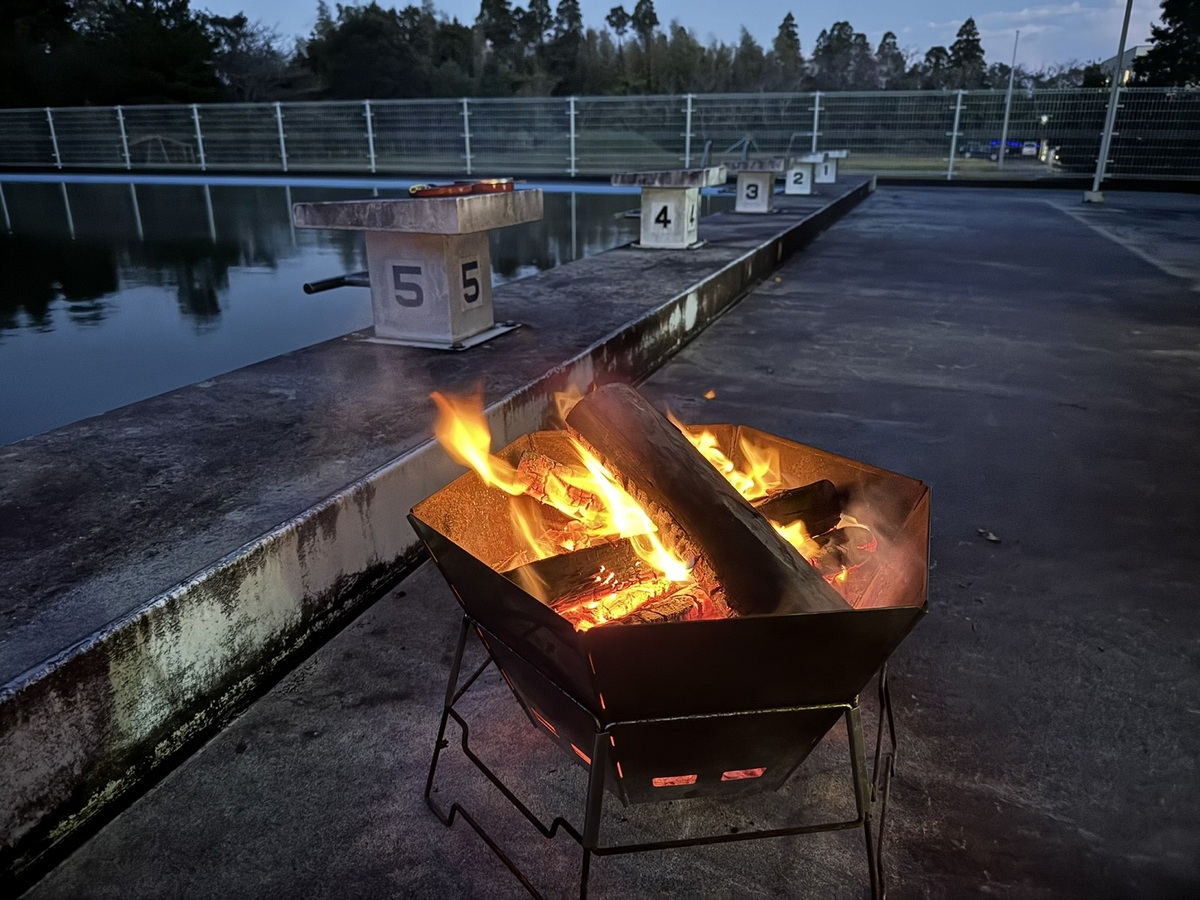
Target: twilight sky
1083,30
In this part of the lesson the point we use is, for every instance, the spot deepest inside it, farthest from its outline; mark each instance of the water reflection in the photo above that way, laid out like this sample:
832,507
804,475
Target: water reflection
117,292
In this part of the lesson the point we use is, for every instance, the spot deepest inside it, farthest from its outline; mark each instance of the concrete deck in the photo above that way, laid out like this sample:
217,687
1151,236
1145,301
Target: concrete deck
160,561
1036,363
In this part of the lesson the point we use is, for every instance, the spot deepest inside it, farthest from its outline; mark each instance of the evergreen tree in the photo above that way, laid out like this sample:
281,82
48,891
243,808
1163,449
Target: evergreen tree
534,23
889,62
749,64
1174,57
619,21
935,70
562,54
497,21
836,56
644,21
786,61
967,67
143,51
337,49
33,34
568,19
683,62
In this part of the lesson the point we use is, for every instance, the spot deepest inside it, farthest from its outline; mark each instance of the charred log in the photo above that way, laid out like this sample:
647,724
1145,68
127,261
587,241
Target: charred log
572,578
698,510
686,603
817,505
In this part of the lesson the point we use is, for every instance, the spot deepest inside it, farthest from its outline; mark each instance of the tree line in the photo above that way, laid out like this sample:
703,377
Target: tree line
107,52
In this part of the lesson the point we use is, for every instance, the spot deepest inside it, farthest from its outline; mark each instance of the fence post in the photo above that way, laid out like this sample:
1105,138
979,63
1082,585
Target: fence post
687,135
124,138
53,138
199,137
466,114
571,170
282,141
370,133
954,134
816,119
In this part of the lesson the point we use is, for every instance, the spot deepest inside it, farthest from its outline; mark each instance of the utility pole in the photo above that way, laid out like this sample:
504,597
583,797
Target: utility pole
1012,70
1095,195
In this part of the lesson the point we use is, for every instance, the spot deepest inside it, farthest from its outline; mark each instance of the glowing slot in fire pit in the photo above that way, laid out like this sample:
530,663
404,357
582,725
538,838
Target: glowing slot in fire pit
742,774
674,780
537,715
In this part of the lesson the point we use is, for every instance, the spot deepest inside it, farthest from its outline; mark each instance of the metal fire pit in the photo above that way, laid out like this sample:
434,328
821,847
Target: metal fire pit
692,708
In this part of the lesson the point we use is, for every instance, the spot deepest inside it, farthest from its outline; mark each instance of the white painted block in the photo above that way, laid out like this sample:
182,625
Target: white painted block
430,288
669,217
755,192
798,180
826,171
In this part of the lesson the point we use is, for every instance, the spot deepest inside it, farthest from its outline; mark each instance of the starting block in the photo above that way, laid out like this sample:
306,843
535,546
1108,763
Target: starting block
428,261
827,170
670,204
801,174
756,183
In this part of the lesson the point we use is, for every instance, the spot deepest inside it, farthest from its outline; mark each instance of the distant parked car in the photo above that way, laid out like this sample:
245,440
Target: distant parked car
991,149
979,150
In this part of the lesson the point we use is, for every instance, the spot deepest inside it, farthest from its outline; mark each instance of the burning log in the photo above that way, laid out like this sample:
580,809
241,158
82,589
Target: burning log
553,483
843,549
686,603
817,505
570,579
699,511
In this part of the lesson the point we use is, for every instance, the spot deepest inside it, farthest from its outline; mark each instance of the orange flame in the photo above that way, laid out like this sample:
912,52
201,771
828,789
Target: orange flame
761,474
463,431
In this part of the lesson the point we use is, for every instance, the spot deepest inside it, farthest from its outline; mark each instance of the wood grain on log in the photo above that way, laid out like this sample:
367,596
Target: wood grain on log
696,509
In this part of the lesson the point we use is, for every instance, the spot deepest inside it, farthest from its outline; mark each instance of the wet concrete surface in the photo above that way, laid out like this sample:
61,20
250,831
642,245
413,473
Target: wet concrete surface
1042,377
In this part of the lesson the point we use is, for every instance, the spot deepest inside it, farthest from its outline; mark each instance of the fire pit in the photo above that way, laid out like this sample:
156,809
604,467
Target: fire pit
598,565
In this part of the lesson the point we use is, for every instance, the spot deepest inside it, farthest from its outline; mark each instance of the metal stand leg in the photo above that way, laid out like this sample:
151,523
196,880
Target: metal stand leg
866,788
595,806
858,762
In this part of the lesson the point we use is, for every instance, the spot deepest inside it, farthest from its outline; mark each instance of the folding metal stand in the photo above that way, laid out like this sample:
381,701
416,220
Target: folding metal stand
865,792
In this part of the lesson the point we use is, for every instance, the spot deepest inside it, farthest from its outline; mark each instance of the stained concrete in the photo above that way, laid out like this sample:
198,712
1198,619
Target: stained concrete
275,522
1042,378
417,215
674,178
761,164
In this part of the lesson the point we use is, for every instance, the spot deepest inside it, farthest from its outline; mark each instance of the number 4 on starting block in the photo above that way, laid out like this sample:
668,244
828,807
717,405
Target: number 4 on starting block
671,205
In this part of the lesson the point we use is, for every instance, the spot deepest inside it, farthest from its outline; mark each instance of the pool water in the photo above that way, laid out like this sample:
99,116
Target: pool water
115,292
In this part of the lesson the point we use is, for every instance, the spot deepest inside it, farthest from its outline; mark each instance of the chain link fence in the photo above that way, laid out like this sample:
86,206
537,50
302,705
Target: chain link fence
956,134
